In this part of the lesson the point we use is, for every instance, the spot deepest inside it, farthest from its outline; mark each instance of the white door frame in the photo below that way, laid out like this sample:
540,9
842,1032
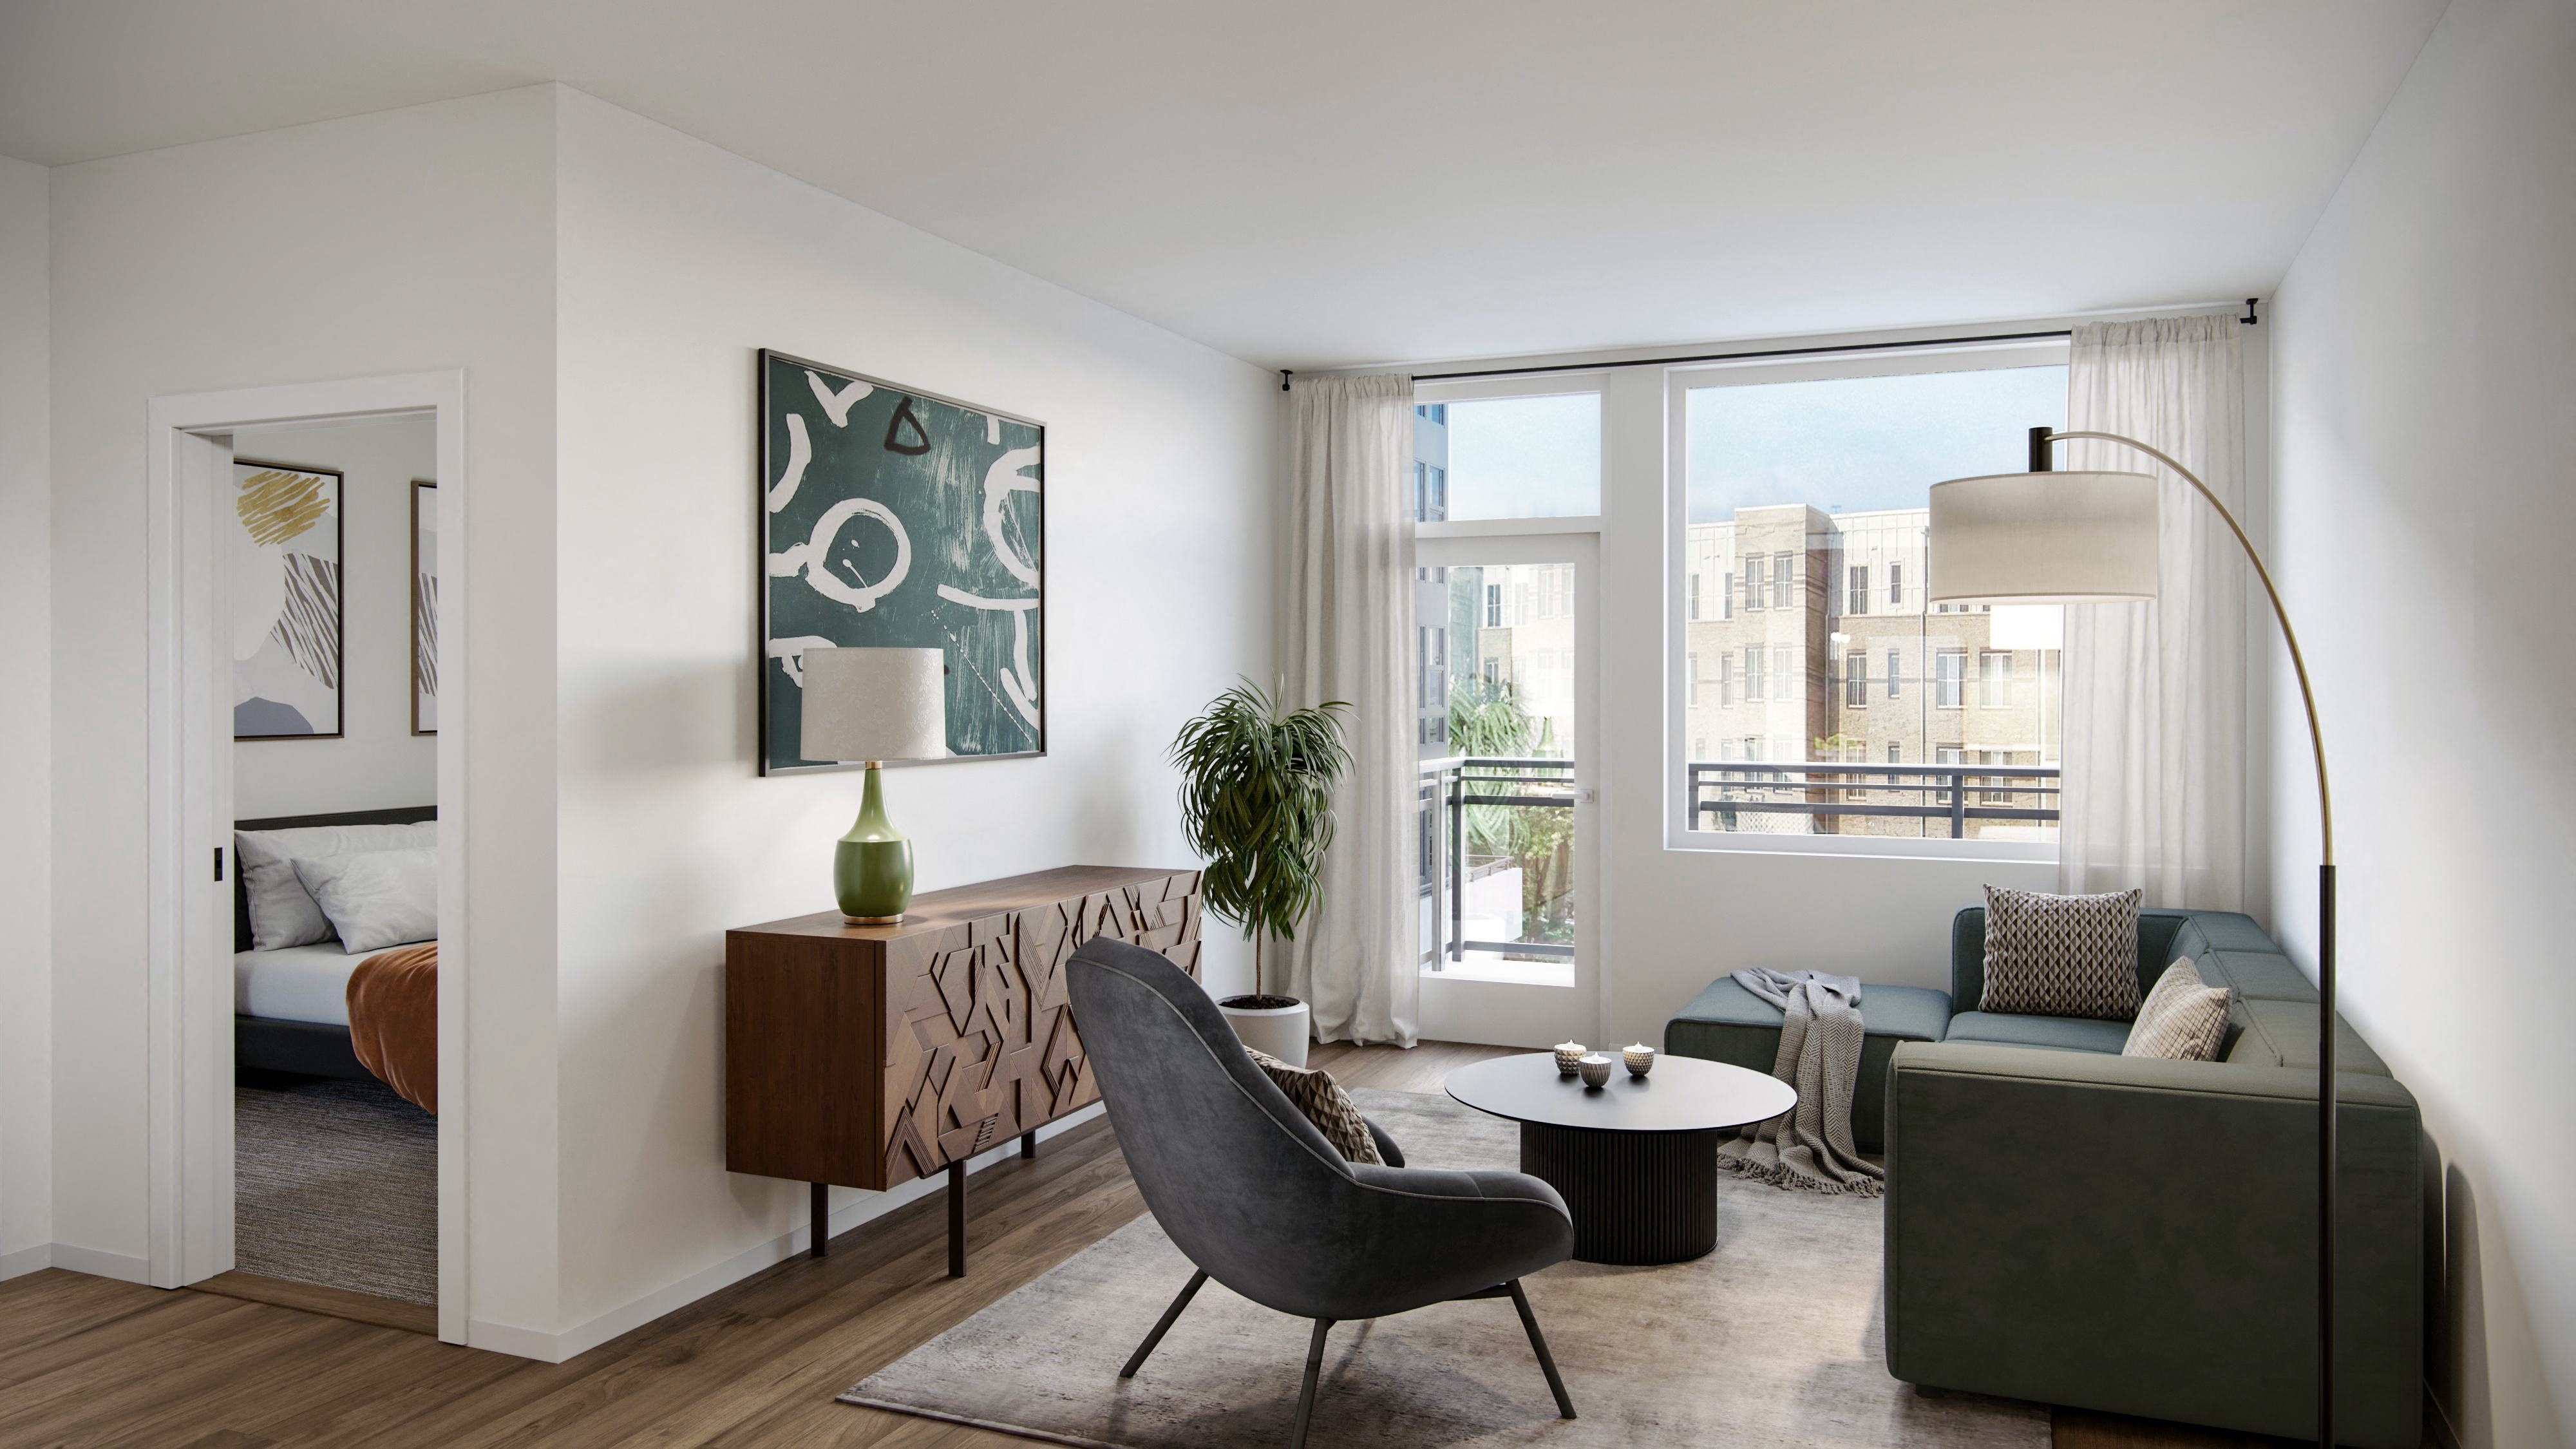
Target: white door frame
1510,1013
188,695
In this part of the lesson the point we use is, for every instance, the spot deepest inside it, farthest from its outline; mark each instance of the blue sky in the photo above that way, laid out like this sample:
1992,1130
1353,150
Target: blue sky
1847,444
1866,442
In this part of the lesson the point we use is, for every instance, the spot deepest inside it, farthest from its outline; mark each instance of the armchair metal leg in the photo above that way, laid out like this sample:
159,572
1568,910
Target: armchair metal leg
1306,1394
1171,1316
1546,1360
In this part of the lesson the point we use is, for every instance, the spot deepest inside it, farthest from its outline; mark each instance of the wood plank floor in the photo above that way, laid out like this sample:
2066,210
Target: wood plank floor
86,1361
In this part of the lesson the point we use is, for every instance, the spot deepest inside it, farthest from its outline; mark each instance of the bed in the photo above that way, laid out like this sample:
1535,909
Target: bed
290,1006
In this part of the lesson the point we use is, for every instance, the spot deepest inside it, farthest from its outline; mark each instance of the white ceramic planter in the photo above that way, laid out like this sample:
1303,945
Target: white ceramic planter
1279,1031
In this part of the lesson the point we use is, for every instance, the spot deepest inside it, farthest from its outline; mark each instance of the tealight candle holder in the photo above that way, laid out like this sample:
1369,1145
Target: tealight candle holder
1569,1057
1596,1069
1640,1059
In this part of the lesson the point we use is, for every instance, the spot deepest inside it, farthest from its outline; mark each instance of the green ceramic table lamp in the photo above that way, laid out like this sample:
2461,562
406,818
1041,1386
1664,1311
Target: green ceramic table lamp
874,705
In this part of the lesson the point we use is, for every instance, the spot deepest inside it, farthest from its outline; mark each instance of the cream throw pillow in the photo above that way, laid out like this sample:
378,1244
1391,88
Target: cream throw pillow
376,898
2183,1020
1313,1091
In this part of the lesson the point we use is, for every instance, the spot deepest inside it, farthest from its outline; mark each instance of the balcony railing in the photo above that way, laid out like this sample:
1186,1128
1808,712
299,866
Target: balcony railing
1496,819
1758,795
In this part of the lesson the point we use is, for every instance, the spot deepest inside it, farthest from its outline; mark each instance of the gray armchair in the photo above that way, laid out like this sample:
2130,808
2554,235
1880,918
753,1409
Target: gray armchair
1261,1202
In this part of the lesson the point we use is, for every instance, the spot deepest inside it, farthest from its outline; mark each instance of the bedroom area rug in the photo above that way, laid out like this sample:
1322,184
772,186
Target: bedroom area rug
1773,1339
336,1183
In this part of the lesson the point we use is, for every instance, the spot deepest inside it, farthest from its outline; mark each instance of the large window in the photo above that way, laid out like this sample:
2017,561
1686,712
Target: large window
1810,483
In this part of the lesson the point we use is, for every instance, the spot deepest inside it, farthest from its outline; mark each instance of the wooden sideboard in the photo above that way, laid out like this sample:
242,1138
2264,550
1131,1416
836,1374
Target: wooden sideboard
868,1056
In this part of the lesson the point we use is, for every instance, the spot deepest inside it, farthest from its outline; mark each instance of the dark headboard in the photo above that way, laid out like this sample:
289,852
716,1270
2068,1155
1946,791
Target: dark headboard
398,815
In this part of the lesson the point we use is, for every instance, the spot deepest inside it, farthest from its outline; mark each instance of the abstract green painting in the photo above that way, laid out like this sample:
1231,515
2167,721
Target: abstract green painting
892,517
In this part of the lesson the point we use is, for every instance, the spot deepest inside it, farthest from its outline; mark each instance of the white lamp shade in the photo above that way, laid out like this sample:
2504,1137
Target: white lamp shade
2043,538
874,704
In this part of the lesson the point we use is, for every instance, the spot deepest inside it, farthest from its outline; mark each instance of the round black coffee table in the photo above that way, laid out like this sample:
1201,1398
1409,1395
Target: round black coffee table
1635,1161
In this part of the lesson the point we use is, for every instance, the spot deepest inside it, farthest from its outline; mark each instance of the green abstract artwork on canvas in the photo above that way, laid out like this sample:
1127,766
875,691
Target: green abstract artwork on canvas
895,518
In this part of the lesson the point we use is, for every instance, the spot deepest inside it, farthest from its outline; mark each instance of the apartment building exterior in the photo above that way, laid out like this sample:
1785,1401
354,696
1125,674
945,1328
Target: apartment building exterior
1809,640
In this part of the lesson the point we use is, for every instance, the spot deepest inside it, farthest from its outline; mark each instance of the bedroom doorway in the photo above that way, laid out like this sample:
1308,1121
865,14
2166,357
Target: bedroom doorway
333,576
307,793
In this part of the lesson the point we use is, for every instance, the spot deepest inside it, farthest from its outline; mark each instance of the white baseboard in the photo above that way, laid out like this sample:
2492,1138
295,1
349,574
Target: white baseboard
26,1260
100,1263
545,1347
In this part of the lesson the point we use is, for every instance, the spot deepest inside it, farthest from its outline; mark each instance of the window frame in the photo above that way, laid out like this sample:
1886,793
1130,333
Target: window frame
1679,382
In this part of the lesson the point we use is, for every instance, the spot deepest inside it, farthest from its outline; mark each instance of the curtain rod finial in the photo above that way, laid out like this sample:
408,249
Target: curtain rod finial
1284,375
2249,319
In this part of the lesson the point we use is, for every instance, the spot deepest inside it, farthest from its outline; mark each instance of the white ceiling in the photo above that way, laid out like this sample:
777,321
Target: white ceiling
1346,181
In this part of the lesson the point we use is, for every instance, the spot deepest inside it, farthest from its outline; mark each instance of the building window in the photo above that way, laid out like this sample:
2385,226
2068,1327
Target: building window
1855,679
1694,596
1856,590
1785,679
1895,753
1694,681
1753,581
1783,566
1994,678
1895,674
1753,674
1895,585
1493,606
1949,678
1726,679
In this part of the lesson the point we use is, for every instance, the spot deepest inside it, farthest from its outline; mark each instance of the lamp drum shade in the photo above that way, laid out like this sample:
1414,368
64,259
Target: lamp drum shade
875,704
2043,538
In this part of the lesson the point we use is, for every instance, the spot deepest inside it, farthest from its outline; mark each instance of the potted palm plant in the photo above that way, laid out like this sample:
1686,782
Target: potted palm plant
1257,804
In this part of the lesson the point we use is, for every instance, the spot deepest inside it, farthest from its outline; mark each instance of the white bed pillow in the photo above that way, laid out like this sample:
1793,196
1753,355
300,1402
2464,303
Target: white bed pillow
376,898
282,912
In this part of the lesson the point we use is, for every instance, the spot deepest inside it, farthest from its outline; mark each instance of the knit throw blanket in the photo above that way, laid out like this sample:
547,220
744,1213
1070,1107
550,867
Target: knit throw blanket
1820,1037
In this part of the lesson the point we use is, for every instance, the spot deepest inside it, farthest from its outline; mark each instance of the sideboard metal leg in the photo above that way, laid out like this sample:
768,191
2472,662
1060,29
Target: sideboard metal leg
818,1208
957,1220
1029,1146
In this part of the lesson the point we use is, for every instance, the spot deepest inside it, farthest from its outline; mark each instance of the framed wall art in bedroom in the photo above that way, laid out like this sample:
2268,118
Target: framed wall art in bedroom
287,597
894,517
424,607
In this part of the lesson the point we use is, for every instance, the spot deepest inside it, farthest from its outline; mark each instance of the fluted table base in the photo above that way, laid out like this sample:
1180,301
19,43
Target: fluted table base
1637,1197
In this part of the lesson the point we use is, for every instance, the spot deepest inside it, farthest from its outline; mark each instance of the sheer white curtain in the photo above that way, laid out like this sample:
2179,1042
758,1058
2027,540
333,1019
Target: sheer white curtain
2155,692
1348,616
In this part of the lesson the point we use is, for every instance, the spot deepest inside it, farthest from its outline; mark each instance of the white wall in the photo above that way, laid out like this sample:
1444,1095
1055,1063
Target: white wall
410,240
678,260
2425,497
378,762
26,761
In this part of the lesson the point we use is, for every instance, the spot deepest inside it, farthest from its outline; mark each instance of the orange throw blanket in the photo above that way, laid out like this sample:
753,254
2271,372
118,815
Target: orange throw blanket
393,1019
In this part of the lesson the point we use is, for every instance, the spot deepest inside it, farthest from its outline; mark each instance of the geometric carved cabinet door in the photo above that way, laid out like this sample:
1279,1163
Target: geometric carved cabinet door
980,1039
871,1055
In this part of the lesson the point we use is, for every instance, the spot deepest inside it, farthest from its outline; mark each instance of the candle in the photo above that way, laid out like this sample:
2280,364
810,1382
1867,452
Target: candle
1569,1056
1639,1057
1596,1070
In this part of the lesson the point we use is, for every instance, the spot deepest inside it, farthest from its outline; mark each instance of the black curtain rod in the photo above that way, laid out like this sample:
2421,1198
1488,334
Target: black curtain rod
1917,344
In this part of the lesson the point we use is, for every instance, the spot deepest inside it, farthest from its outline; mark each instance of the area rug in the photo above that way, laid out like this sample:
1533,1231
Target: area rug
1773,1339
336,1183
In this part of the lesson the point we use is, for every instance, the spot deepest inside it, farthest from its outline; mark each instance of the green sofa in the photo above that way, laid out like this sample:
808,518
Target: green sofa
2070,1226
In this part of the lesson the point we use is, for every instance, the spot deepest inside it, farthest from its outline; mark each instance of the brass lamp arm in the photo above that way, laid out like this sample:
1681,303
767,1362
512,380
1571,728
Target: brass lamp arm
2298,661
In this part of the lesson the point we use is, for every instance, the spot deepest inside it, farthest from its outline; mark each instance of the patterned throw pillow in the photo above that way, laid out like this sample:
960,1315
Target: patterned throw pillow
2183,1020
1313,1091
2061,955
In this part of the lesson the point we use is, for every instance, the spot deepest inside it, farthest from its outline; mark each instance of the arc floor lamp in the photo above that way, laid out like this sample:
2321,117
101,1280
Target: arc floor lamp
2051,537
